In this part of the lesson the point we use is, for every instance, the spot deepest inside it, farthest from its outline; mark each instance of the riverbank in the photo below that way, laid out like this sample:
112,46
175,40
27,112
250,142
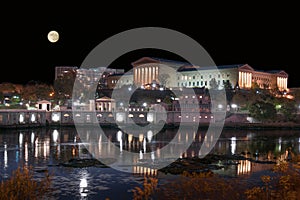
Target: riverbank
15,119
230,125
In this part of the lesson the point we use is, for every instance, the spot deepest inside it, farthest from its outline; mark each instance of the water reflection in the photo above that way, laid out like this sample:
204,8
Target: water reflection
50,147
5,157
83,184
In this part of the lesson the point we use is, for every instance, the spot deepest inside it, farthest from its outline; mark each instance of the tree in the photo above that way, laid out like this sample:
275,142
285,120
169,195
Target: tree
229,91
7,88
255,87
34,91
227,85
288,109
213,84
163,79
262,111
239,99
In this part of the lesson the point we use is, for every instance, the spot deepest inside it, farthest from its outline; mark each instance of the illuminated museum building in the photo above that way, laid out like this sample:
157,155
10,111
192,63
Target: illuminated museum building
173,74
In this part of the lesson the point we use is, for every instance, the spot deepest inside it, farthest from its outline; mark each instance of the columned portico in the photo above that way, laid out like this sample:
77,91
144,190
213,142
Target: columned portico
105,104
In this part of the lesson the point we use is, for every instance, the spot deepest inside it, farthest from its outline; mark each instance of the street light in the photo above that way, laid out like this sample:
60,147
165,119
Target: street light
234,106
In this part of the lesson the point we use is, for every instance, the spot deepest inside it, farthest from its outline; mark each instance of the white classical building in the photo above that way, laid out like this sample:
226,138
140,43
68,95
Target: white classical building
105,104
148,70
242,76
173,74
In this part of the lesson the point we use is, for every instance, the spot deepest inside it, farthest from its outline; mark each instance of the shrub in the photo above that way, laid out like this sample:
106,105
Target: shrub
22,185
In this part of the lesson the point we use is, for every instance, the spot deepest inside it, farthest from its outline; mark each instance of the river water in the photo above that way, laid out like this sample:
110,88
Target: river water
48,148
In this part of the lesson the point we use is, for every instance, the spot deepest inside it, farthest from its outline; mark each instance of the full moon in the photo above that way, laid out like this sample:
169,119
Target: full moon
53,36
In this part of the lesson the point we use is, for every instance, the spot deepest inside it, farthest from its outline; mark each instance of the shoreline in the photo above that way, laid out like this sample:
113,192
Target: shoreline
227,126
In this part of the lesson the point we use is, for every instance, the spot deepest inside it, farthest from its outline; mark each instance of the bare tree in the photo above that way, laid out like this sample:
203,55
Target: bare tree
163,79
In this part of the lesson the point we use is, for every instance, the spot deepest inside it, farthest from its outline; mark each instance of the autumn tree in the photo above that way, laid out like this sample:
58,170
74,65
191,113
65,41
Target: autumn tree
35,91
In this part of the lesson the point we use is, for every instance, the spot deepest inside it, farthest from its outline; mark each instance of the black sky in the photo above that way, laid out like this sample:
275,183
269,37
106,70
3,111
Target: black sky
264,38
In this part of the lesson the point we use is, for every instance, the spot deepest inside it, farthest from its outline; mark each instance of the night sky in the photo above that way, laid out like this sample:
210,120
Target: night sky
265,39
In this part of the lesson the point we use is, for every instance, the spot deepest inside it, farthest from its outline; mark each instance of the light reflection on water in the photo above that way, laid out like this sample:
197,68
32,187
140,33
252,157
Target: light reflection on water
46,148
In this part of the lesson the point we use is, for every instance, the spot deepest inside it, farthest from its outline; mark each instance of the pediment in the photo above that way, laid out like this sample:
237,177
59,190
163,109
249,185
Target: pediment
245,67
144,60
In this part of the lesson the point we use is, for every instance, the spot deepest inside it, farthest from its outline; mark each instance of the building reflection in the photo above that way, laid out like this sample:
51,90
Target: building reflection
244,167
148,149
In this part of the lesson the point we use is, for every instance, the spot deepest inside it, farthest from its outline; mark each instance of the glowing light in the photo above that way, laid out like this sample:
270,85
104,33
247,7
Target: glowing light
55,117
144,145
21,139
119,136
141,137
5,156
120,117
32,118
32,137
55,136
141,155
149,135
26,152
150,117
279,142
233,145
233,106
21,118
83,185
130,137
152,156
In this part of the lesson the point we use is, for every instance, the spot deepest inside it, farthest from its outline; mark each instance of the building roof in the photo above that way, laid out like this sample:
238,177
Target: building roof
122,74
43,101
170,61
194,68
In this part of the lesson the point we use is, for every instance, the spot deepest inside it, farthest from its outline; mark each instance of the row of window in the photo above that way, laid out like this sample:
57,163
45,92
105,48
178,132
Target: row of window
199,83
261,78
186,77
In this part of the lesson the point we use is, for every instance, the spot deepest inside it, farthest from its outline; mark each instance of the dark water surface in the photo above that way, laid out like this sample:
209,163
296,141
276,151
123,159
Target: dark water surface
47,149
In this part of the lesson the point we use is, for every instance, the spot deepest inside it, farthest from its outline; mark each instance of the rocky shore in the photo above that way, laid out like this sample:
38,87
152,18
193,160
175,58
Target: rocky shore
195,164
208,163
